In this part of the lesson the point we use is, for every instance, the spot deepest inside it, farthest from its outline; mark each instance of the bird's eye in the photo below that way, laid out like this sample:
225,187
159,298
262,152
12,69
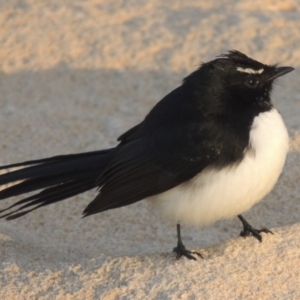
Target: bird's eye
252,82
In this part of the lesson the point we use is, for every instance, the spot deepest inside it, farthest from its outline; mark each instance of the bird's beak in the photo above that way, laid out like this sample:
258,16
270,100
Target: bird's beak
279,72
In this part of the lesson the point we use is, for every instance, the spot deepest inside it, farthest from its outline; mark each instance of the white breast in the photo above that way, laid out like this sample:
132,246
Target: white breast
212,195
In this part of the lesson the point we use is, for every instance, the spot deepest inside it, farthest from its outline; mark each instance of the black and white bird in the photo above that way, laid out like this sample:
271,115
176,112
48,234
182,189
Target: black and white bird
209,150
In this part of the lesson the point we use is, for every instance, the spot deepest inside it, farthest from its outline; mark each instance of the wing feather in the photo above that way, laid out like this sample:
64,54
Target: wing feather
143,168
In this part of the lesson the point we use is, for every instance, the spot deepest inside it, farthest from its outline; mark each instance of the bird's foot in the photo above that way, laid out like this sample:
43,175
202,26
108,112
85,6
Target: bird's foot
180,250
248,230
255,232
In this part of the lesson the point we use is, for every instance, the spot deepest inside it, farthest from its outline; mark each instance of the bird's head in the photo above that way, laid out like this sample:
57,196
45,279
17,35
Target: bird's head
236,82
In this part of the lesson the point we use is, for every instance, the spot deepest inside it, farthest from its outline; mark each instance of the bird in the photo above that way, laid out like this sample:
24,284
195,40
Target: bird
209,150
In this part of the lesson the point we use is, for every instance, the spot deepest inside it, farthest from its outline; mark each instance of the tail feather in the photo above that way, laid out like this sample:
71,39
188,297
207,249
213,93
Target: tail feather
30,185
51,192
61,158
59,178
56,167
49,196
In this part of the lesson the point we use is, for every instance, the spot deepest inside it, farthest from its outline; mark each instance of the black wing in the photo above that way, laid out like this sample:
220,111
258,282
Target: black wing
154,164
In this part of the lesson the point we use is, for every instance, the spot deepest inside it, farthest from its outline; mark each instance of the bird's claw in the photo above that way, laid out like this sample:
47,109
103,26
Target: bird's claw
250,231
180,251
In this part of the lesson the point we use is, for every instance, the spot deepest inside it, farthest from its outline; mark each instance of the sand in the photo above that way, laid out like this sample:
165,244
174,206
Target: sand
74,75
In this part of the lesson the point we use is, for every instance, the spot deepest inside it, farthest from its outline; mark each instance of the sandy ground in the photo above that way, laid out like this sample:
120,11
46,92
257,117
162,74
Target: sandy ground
76,74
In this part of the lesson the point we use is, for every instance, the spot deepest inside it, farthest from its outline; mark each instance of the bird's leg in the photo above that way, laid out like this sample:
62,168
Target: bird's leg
180,249
248,230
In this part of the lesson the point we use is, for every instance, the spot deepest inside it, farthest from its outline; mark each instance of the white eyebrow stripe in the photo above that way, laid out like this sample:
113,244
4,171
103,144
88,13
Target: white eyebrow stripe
249,71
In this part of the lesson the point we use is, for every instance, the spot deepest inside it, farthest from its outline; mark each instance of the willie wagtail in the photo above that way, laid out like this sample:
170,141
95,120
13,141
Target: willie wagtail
209,150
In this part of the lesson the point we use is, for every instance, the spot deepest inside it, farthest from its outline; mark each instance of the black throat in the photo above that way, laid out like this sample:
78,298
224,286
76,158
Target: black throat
227,108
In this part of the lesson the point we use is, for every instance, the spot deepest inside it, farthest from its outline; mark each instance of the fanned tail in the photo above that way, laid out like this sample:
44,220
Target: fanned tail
58,178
